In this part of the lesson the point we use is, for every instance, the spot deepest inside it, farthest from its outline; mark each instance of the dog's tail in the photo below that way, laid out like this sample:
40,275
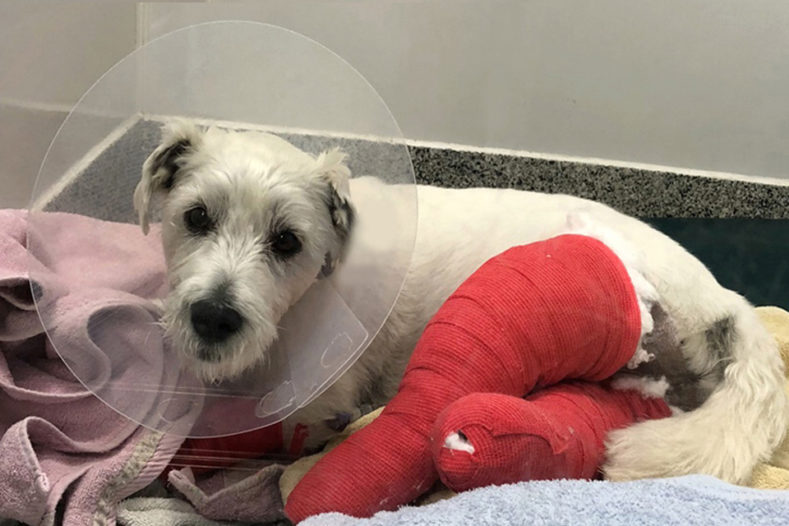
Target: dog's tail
741,423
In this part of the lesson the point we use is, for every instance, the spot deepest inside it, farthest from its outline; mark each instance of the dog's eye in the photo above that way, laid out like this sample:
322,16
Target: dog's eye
285,243
197,220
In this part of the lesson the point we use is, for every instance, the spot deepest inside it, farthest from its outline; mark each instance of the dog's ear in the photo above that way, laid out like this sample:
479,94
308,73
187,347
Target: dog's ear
336,176
179,140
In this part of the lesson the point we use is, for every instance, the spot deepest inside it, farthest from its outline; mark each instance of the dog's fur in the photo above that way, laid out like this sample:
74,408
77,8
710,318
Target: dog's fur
255,186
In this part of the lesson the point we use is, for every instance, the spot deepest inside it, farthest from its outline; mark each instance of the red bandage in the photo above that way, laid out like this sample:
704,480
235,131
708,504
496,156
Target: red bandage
208,454
558,432
537,314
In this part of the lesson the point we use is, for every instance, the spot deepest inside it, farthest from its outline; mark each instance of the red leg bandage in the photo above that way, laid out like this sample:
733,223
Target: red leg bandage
555,433
530,317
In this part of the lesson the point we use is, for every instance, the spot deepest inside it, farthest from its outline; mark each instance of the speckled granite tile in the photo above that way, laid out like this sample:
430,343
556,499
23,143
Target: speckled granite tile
640,193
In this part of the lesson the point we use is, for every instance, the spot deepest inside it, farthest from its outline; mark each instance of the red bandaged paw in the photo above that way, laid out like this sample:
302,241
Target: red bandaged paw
558,432
530,317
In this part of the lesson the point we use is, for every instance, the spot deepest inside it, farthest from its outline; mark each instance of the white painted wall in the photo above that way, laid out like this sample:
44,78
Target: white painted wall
50,53
700,84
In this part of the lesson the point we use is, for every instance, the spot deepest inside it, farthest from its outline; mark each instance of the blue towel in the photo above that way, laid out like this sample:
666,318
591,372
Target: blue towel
690,500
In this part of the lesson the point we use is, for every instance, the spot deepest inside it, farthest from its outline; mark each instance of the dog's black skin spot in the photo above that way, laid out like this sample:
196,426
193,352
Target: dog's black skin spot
688,389
328,267
720,339
341,213
695,389
168,159
342,217
350,216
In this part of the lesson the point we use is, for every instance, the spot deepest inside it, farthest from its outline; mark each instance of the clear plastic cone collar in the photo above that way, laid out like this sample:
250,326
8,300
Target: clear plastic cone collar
118,304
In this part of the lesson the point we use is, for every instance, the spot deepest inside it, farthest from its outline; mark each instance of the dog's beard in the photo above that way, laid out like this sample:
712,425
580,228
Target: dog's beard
214,363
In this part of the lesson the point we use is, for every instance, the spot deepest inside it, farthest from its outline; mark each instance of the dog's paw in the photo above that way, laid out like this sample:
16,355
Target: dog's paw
672,447
632,454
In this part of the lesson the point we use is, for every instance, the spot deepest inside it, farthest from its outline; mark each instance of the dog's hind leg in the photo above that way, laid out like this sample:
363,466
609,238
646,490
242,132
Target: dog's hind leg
724,343
739,425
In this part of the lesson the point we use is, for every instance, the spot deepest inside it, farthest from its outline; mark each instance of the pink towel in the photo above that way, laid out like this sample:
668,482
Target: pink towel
58,441
61,447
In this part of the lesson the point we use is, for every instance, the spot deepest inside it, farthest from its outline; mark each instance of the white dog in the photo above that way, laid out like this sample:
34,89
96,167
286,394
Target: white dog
249,222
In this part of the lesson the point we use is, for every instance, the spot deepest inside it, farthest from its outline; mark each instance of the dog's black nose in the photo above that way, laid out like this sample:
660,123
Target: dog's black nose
215,322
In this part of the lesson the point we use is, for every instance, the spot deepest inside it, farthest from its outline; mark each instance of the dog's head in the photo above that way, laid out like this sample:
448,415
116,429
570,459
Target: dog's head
249,222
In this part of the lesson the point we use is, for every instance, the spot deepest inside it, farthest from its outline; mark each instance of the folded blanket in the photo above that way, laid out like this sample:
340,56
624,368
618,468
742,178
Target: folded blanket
60,446
696,499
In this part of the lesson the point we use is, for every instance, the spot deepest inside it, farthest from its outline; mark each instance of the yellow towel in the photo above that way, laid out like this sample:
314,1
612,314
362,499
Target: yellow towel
769,475
775,473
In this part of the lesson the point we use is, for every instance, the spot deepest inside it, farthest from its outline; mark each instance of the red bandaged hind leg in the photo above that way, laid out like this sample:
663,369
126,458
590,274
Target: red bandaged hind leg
558,432
530,317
